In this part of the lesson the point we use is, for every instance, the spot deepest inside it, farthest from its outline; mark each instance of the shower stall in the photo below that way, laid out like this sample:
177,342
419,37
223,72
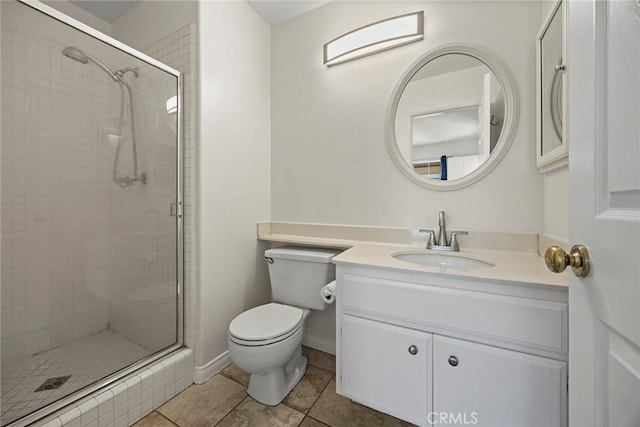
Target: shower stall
91,222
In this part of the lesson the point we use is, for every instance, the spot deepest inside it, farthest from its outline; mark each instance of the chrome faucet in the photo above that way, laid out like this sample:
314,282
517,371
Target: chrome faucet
442,230
441,243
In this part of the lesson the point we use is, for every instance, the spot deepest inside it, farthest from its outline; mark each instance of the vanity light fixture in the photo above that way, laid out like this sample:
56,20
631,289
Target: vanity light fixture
374,38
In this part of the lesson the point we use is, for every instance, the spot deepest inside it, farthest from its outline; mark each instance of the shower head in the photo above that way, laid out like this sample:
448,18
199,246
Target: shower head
76,54
80,56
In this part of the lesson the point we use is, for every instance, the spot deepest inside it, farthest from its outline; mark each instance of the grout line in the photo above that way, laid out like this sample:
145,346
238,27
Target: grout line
319,396
232,379
233,409
165,417
318,421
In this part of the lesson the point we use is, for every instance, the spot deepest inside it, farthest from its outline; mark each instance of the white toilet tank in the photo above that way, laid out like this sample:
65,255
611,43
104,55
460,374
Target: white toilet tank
298,274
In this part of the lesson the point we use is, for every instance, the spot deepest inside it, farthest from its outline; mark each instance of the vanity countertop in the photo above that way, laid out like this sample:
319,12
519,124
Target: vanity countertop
360,248
509,266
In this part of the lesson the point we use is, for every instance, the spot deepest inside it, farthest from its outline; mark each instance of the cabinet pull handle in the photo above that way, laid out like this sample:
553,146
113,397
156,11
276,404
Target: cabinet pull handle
413,350
453,361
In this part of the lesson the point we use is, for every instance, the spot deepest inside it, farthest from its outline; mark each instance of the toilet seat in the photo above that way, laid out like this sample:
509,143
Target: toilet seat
266,324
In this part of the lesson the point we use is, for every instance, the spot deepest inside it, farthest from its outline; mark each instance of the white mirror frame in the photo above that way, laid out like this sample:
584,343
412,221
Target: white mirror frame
499,69
559,156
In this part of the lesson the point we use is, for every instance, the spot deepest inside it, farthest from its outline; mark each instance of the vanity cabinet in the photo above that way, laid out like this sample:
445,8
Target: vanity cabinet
435,350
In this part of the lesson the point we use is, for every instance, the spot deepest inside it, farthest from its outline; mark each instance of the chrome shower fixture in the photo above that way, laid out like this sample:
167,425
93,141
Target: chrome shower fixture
75,53
117,76
80,56
121,72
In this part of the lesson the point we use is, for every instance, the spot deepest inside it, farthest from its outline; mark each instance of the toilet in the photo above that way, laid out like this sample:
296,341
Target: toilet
266,341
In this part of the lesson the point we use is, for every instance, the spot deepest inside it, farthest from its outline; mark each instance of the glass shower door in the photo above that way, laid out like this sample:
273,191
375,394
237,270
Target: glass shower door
90,243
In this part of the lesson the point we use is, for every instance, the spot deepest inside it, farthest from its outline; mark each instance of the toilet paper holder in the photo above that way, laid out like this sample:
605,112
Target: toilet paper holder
328,292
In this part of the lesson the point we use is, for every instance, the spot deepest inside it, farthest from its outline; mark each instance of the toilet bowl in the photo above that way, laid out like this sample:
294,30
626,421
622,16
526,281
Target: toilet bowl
266,342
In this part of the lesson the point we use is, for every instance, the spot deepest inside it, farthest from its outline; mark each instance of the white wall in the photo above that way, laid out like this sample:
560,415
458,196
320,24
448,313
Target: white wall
556,203
139,26
234,184
329,159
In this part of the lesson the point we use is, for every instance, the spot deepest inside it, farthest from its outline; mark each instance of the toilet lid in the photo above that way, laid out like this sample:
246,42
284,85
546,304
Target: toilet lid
266,322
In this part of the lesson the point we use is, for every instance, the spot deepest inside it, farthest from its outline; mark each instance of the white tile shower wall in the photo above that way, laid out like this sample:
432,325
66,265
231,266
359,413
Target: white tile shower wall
54,259
151,256
127,401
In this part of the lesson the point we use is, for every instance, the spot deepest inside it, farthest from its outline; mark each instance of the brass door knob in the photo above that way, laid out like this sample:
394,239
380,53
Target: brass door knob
557,260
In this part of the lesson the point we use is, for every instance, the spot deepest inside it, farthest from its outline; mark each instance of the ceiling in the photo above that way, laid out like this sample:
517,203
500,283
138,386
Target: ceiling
276,12
107,10
273,11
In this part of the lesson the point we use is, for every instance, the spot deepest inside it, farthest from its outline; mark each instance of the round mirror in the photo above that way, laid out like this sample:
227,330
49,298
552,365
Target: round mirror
452,117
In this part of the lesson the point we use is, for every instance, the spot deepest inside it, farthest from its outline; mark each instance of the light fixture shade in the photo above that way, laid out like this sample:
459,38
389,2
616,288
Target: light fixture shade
376,37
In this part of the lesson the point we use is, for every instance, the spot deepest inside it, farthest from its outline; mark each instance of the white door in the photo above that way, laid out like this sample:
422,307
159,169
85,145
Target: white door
603,78
387,368
484,386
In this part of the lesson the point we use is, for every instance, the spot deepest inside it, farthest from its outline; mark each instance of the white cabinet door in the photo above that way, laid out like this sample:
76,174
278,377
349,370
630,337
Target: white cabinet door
488,386
380,370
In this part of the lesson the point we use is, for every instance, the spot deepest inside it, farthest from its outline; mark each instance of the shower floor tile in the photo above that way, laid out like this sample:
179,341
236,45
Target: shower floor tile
86,360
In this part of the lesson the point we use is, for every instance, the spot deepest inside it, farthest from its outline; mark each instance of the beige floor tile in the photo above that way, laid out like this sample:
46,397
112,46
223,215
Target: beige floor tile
238,375
206,404
154,419
338,411
320,359
251,413
307,391
310,422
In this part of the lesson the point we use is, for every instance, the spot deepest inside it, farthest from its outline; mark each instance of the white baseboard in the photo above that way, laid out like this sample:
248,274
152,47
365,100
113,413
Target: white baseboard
202,374
318,343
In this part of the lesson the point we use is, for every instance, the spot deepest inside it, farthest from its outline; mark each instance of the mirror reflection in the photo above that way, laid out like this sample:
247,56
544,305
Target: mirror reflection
450,117
551,66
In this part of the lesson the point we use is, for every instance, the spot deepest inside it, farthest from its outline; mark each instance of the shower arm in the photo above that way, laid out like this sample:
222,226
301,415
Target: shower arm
103,66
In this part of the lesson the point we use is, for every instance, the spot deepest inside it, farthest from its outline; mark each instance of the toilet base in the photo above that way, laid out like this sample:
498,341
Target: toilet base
271,387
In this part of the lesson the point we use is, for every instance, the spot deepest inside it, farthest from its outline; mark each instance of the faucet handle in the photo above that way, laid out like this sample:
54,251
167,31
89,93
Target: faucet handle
454,239
431,237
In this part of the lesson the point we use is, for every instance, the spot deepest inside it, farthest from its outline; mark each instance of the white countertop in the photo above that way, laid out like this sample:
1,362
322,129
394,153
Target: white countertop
511,266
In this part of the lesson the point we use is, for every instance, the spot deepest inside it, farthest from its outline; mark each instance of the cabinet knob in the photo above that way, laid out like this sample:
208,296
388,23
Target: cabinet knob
413,350
453,361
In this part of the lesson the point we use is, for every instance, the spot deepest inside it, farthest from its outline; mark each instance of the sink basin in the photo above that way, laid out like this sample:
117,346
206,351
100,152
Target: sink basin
441,260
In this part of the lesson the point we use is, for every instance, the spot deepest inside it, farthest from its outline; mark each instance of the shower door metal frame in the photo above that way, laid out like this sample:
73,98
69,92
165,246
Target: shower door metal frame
118,375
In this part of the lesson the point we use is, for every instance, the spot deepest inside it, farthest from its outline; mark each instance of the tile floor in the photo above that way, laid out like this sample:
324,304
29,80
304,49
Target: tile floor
223,401
86,360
